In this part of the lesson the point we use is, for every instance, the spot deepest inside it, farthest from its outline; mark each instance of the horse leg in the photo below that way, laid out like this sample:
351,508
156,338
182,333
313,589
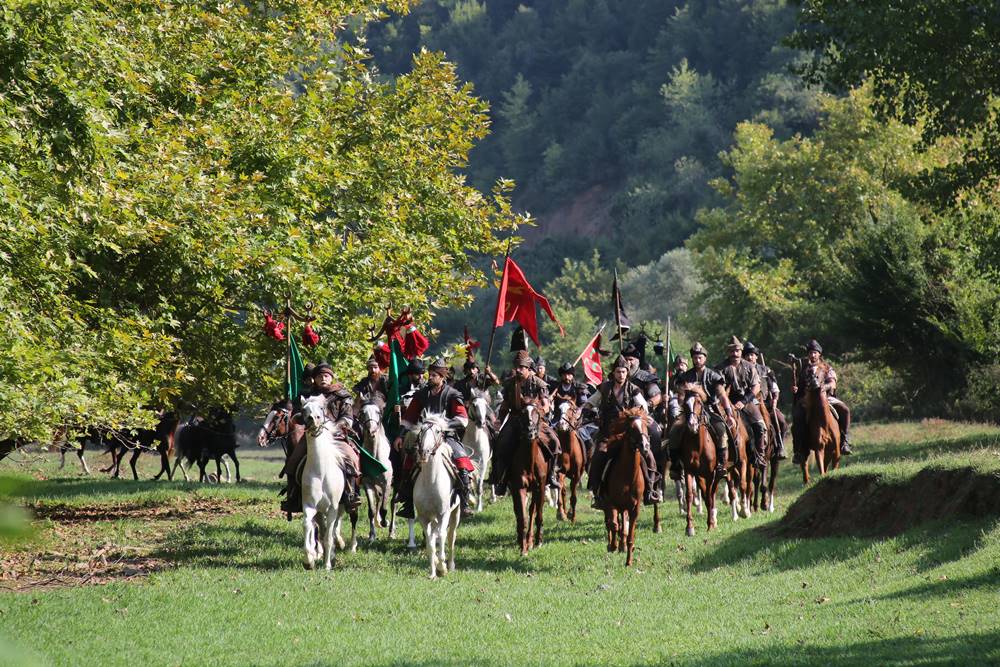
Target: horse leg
309,537
392,515
353,514
83,461
561,513
623,525
573,485
329,543
456,517
611,526
132,461
771,484
236,464
518,498
164,463
372,509
688,499
708,491
821,461
730,493
681,496
633,519
656,518
430,538
539,515
412,543
62,458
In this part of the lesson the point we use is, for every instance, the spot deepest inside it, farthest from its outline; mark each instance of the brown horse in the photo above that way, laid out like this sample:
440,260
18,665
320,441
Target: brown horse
738,484
761,493
571,461
699,461
822,429
526,476
625,483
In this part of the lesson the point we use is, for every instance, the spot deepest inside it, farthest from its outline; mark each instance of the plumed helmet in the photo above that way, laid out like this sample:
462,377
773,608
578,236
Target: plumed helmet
522,359
734,344
814,346
698,348
567,368
439,365
621,362
749,348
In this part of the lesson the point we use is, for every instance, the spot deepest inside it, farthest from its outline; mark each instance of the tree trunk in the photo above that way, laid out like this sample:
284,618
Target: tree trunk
6,447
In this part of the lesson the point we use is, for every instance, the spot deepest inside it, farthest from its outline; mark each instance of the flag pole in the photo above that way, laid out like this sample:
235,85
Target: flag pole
668,360
591,342
618,312
493,333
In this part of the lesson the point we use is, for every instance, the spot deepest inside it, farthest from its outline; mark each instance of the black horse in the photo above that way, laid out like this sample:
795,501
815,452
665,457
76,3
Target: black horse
204,438
160,438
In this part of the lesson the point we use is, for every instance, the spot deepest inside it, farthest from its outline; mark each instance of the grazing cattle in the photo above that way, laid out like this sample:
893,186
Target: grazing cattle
203,439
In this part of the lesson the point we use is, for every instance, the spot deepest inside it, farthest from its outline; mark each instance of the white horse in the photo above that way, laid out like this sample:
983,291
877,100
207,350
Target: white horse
436,507
322,486
377,444
477,443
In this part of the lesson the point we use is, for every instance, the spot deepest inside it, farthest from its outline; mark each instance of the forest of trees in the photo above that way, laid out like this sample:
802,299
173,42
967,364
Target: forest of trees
778,170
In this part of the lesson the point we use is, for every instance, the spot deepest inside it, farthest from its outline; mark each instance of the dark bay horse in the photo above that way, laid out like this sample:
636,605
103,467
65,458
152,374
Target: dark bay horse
159,438
761,491
571,463
699,460
526,477
624,481
822,429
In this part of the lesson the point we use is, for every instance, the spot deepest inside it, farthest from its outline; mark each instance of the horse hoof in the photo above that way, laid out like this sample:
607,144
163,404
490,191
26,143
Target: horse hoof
308,565
690,532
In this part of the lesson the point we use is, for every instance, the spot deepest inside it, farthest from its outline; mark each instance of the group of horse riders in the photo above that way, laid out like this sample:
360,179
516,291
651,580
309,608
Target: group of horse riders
736,388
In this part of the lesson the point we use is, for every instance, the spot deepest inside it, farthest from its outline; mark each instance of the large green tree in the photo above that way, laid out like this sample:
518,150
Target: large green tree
169,168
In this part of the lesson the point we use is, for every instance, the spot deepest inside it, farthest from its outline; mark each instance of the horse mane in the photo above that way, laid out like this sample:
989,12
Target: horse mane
697,390
436,419
619,428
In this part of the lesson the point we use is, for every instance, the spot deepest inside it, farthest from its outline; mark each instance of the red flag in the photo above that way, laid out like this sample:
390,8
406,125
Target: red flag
591,359
517,302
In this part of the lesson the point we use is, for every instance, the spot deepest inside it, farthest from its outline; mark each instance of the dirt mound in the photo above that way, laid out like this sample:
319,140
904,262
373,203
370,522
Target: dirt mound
870,506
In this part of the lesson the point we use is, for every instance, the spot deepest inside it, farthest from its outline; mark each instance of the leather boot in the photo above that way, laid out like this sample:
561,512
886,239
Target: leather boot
722,460
676,465
845,445
404,494
292,502
779,451
351,496
554,473
760,445
464,486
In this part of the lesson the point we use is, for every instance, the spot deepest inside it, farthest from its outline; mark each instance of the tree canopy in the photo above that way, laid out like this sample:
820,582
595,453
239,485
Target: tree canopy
167,169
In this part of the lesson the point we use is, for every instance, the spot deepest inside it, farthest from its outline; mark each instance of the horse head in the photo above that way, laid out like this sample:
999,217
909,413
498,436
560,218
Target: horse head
814,381
315,414
275,426
567,417
638,429
479,408
694,406
530,418
371,416
430,436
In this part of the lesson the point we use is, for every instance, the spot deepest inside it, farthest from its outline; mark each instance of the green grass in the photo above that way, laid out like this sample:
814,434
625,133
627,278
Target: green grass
238,594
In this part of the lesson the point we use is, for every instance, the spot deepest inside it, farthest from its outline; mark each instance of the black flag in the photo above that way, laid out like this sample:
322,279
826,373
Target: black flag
621,319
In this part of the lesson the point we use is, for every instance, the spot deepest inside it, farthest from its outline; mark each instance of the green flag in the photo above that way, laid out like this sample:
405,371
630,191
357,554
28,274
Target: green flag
394,404
293,384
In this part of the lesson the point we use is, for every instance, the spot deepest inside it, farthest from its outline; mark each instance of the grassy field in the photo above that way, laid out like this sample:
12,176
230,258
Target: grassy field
156,573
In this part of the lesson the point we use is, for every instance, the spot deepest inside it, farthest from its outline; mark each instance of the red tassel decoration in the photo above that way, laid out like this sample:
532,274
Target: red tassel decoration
309,337
273,328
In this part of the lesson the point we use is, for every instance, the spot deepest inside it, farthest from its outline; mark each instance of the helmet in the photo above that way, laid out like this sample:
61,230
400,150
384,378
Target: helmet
813,346
567,368
698,348
439,365
734,344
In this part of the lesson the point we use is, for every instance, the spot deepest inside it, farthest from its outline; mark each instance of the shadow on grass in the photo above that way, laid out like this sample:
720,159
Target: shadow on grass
921,450
970,649
939,543
76,488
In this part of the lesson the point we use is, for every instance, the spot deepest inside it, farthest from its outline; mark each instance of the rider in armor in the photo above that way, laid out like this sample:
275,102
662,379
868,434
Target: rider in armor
436,397
675,391
828,377
524,384
473,379
340,411
613,397
714,386
769,393
743,384
637,375
567,388
549,381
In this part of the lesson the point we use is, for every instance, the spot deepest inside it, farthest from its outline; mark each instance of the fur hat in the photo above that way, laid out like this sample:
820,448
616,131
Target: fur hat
522,359
814,346
322,367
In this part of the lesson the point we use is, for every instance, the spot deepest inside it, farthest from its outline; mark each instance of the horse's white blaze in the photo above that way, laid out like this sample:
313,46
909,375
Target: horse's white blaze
432,493
322,484
262,433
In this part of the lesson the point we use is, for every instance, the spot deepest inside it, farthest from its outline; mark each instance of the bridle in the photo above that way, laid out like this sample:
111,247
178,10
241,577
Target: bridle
281,417
438,441
572,423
